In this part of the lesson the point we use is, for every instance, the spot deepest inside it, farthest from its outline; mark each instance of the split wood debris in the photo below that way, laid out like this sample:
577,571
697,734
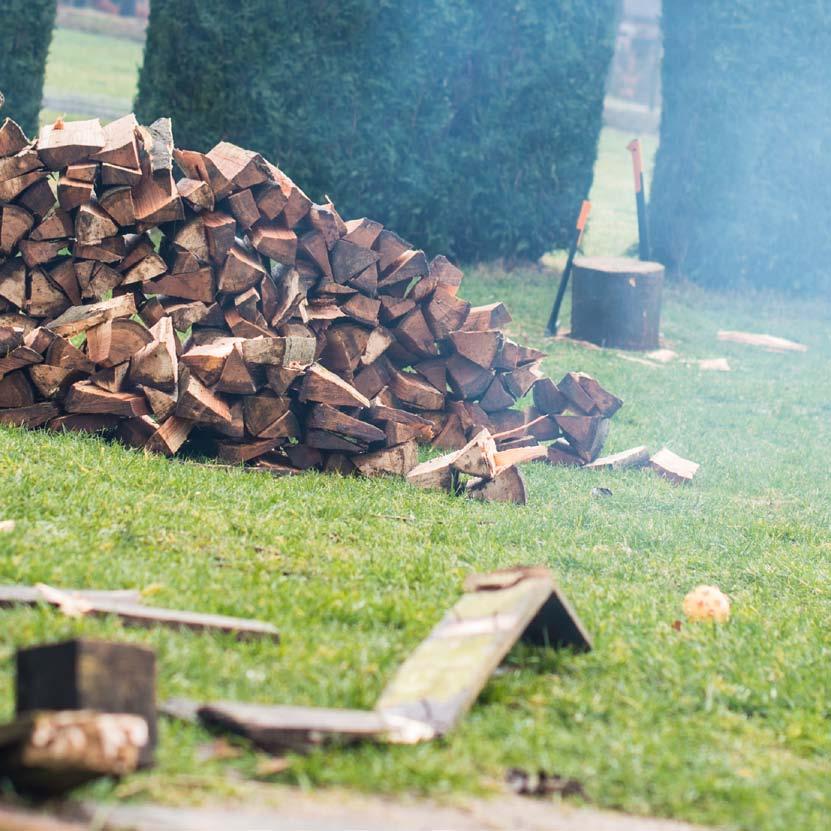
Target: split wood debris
435,686
49,752
665,463
219,305
84,709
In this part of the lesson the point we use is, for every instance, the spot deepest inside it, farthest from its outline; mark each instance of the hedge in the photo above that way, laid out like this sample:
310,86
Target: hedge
741,176
25,34
469,128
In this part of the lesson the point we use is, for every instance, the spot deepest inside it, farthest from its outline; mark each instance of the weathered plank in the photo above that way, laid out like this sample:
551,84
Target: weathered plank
440,681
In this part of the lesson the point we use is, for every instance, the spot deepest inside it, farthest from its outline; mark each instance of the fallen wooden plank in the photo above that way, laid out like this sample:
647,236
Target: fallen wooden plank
439,682
277,729
142,615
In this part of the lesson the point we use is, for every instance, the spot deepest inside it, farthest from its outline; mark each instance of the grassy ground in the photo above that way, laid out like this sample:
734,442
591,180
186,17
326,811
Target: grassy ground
86,72
727,726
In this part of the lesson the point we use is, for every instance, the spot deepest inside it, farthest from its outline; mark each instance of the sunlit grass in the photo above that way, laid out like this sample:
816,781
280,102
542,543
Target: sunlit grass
727,726
81,64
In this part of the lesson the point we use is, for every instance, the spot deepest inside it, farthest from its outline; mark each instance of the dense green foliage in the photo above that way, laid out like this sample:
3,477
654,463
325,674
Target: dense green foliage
25,33
469,128
741,175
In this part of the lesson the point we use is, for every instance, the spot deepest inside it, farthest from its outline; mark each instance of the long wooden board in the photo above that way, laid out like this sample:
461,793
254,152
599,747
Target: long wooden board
439,682
277,729
131,612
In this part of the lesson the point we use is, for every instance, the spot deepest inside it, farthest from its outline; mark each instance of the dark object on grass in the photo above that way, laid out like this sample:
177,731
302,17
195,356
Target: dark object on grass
526,783
616,302
90,675
601,493
553,318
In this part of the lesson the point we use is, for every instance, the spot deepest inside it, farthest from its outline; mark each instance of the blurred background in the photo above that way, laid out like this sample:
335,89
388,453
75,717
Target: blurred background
477,131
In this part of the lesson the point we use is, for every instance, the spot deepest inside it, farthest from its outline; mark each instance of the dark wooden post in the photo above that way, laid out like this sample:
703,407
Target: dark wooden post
616,302
90,675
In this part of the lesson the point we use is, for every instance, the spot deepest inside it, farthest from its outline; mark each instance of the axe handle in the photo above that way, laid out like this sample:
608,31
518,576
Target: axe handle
634,148
553,323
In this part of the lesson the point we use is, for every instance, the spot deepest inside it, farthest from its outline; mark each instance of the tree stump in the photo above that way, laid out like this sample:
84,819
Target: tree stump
616,302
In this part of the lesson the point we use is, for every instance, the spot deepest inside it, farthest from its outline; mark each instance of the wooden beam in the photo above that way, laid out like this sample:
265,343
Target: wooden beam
440,681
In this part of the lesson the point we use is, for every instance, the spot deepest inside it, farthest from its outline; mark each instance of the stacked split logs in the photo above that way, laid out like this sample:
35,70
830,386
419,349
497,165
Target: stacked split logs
311,342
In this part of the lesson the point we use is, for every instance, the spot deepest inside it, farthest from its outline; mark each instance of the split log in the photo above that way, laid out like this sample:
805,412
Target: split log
324,417
562,453
395,461
479,347
65,142
437,473
170,436
321,385
467,379
51,752
12,138
84,397
445,313
548,398
198,403
15,390
477,457
415,392
275,242
35,415
678,470
482,318
585,434
634,457
348,260
120,147
78,319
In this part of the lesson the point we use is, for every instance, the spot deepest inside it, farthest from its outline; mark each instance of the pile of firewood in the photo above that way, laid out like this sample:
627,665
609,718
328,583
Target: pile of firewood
311,342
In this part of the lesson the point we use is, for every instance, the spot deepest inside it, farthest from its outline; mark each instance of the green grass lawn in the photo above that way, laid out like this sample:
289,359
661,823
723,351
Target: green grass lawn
728,726
97,67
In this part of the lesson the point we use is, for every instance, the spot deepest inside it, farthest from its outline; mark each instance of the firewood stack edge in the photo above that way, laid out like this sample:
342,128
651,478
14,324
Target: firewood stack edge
313,342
